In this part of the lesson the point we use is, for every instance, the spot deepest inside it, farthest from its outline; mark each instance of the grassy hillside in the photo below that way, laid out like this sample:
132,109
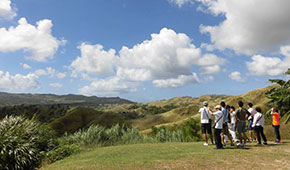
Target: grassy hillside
140,115
8,99
188,107
177,156
257,97
83,117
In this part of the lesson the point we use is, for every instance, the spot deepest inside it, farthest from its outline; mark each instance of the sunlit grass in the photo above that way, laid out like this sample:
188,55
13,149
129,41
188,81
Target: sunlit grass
178,156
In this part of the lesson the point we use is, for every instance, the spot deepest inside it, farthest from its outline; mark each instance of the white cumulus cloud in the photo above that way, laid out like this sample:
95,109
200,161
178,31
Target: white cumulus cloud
18,82
237,77
213,69
176,82
61,75
56,85
51,72
108,87
270,66
211,59
249,26
167,57
95,60
37,40
6,10
25,66
134,74
180,3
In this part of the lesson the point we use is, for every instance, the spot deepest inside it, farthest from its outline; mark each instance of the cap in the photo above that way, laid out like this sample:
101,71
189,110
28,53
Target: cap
217,107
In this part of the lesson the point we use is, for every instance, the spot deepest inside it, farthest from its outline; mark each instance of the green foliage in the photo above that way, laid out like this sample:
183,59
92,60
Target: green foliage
60,152
191,129
280,96
83,118
51,99
153,110
186,133
23,143
101,136
43,114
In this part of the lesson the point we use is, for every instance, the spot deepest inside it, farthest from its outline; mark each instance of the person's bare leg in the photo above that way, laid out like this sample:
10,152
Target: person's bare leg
205,137
211,138
255,134
241,139
230,137
251,135
223,138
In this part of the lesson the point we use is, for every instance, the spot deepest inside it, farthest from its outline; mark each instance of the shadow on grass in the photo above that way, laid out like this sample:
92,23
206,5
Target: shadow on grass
243,148
262,145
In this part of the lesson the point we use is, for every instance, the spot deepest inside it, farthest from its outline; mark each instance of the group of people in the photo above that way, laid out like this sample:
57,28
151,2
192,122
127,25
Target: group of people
229,120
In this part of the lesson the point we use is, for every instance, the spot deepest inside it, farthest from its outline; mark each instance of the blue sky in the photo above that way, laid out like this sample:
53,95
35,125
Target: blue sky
142,50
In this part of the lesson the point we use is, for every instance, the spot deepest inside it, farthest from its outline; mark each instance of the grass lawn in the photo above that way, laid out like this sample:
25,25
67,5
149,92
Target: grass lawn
178,156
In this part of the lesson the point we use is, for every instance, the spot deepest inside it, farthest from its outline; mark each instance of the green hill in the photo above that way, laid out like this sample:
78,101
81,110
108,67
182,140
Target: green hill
83,117
8,99
186,107
140,115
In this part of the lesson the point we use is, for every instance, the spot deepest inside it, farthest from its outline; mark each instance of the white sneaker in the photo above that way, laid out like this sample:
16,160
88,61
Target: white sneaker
205,144
239,144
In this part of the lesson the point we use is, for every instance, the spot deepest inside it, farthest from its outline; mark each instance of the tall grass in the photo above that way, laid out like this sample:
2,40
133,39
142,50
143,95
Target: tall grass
97,135
23,143
101,136
120,134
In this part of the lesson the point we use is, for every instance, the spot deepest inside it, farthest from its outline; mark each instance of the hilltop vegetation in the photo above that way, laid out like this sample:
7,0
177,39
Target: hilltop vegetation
168,113
185,107
8,99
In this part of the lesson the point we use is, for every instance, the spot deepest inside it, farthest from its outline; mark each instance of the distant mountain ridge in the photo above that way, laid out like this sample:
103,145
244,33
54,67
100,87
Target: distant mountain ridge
8,99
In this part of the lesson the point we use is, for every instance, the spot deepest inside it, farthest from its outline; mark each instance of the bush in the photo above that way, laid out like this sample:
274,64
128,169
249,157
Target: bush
98,135
23,143
60,152
191,129
186,133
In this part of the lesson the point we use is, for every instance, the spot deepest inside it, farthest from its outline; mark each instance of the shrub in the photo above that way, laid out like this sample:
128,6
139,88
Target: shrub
60,152
98,135
191,129
188,132
280,96
23,143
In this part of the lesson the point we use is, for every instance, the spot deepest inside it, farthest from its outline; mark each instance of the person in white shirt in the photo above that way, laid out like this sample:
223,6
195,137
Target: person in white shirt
231,125
205,119
218,126
258,124
250,118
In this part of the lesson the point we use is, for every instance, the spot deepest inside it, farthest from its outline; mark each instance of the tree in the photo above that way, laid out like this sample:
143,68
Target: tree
280,96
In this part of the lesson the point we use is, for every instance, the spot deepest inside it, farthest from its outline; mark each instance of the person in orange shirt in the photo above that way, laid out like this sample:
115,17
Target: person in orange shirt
276,124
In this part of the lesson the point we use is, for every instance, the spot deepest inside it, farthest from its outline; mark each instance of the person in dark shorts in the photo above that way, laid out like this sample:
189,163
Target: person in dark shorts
241,117
205,119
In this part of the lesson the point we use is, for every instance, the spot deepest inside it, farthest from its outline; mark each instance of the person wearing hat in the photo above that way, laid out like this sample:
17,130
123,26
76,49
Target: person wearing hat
218,126
205,119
